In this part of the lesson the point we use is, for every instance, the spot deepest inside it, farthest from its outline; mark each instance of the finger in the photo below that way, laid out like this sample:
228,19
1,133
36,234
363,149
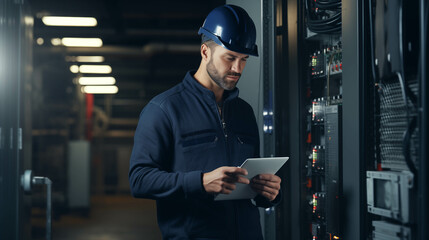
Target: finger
262,188
270,195
228,186
274,185
269,177
231,178
236,179
235,170
243,180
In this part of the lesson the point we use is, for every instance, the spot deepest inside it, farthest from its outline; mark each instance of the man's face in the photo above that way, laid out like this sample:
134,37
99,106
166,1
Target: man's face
225,67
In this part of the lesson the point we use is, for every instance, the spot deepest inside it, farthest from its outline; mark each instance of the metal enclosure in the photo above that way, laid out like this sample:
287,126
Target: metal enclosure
361,149
15,143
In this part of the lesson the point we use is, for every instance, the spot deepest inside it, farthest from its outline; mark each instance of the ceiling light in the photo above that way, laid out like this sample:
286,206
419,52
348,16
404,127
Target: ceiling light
56,41
97,80
82,42
95,69
69,21
85,59
100,89
40,41
74,68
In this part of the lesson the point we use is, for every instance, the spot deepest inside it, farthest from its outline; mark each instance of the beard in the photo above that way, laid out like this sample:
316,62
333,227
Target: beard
220,80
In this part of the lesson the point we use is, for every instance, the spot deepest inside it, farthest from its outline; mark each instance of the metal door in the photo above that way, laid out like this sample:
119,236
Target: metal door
15,39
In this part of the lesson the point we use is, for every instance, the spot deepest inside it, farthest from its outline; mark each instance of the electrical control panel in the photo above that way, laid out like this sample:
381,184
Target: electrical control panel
322,91
382,117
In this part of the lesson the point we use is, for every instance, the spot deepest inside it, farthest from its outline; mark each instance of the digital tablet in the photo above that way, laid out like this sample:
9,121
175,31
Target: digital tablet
254,166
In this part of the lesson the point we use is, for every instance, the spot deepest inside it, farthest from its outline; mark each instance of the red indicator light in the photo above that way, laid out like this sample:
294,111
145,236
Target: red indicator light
309,183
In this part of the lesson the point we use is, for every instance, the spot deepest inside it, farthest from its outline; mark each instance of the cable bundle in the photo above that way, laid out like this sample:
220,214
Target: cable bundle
323,16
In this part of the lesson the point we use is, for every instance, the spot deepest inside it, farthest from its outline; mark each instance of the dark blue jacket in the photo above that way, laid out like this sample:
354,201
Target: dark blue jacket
178,138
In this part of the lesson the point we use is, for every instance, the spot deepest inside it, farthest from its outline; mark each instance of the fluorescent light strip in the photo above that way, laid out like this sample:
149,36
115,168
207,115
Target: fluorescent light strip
82,42
102,69
85,59
69,21
100,89
95,69
97,80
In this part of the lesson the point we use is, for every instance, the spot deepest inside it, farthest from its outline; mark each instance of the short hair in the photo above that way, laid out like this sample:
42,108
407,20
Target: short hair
207,41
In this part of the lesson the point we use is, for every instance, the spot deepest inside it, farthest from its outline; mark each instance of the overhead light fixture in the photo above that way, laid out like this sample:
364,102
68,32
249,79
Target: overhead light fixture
69,21
104,69
74,68
100,89
97,80
40,41
56,41
85,59
82,42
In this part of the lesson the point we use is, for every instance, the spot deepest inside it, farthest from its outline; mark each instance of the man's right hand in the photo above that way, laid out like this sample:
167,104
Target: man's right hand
223,179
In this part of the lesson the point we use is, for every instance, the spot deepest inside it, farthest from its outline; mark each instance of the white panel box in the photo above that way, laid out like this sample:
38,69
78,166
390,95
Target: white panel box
78,174
389,194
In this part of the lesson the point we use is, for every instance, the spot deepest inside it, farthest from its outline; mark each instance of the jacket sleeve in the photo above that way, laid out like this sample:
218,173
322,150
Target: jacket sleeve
263,202
151,160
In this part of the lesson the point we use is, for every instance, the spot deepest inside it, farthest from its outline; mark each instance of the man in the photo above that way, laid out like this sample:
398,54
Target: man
190,138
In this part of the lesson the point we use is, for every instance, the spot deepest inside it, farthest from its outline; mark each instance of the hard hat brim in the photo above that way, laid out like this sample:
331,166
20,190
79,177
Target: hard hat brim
218,40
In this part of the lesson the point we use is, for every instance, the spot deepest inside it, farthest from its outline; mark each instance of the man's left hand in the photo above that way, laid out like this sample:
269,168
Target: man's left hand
268,185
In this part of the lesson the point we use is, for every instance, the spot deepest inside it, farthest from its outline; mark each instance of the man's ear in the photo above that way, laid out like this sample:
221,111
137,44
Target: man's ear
205,52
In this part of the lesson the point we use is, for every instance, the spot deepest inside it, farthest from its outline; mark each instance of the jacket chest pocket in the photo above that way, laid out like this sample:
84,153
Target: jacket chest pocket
199,142
245,147
199,152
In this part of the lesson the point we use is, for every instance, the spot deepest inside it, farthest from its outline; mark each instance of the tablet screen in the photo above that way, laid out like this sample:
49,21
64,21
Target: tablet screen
254,166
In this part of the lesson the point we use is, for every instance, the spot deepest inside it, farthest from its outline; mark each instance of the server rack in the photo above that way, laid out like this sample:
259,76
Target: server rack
393,180
315,110
376,134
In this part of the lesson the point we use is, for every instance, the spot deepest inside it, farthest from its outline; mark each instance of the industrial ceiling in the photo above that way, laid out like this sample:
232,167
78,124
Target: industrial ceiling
148,44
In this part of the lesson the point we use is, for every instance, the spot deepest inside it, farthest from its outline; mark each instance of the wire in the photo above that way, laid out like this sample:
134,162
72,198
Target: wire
407,144
328,6
333,30
331,24
334,19
371,36
410,128
406,93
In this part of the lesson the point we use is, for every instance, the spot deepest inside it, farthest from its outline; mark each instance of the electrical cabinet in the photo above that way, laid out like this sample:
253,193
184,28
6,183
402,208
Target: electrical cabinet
356,80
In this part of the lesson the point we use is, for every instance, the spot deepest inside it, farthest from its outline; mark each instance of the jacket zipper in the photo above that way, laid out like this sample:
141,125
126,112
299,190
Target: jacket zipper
225,133
224,124
234,205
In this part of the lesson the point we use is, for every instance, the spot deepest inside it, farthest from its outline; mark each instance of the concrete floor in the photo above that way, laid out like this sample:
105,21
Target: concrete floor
116,217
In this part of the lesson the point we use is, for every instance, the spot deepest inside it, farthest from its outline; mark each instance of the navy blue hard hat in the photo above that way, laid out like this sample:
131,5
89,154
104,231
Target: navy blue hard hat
231,27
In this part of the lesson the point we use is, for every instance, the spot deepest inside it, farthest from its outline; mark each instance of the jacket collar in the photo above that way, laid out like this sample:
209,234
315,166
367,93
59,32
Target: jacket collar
193,85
